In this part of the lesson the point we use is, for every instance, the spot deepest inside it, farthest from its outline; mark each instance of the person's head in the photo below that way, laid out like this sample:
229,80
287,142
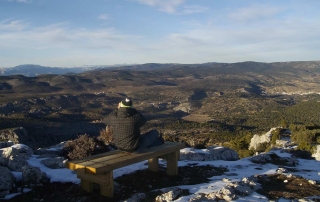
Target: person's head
125,103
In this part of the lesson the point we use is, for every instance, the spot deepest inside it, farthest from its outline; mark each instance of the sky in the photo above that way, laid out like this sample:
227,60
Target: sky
69,33
308,169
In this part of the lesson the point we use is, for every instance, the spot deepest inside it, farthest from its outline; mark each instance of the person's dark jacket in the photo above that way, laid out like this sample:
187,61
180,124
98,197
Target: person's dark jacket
126,123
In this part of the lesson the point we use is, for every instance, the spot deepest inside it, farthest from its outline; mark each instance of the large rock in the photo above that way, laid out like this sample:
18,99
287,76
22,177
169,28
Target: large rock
257,140
15,157
169,194
210,154
274,159
16,135
316,155
222,153
6,181
33,176
54,163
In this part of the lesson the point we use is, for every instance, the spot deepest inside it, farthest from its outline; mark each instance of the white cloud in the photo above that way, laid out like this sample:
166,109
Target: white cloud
192,9
61,36
103,17
21,1
168,6
13,25
253,13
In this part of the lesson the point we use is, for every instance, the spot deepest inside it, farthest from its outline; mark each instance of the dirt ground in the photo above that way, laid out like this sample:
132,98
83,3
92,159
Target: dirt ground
144,181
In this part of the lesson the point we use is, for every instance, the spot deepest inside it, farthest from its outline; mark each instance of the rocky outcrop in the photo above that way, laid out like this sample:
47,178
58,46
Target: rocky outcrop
210,154
185,107
257,140
6,181
231,191
15,157
16,135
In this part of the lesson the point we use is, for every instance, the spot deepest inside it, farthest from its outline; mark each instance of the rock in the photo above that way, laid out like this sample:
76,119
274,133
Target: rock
256,140
6,181
275,159
243,190
185,107
169,194
212,153
316,155
16,135
15,157
312,182
54,163
222,153
33,176
191,155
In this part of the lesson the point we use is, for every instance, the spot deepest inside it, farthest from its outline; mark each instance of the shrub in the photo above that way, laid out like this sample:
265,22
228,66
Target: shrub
84,146
106,135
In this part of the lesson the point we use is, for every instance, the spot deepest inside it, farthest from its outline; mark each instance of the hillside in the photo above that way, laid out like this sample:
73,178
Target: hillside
204,99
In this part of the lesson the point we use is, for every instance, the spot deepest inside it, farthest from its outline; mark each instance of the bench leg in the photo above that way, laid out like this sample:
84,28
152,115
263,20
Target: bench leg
172,163
107,189
87,185
153,164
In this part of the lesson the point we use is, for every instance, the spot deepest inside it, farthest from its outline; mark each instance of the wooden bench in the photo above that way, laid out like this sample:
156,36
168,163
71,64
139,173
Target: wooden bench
99,168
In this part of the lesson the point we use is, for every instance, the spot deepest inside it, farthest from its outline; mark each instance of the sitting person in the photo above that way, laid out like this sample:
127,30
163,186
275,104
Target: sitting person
126,122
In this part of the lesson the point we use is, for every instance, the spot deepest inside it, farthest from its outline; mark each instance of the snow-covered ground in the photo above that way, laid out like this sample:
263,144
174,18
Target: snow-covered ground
237,171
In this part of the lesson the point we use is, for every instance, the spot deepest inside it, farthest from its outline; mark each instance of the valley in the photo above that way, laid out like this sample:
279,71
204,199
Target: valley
215,101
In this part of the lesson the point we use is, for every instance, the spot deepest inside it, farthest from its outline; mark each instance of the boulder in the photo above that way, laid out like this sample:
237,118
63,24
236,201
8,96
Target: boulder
33,176
274,159
210,154
54,163
6,181
15,157
16,135
222,153
257,140
169,194
316,155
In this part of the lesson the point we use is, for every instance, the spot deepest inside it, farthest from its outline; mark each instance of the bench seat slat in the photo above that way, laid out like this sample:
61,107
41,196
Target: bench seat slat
102,163
102,167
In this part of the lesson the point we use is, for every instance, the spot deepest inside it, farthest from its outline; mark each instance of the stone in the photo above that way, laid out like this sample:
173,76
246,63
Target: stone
54,163
316,155
33,176
222,153
6,181
15,157
169,194
256,140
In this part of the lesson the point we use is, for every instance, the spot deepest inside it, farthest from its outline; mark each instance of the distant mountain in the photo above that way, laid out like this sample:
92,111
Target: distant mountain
31,70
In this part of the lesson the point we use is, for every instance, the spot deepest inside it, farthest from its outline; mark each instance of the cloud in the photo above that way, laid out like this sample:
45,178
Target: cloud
103,17
168,6
13,25
253,13
192,9
21,1
60,35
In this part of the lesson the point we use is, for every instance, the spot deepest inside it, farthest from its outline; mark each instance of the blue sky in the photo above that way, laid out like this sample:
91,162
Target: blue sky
68,33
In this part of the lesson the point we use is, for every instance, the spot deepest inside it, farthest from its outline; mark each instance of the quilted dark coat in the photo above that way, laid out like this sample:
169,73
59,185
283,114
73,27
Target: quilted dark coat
126,123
